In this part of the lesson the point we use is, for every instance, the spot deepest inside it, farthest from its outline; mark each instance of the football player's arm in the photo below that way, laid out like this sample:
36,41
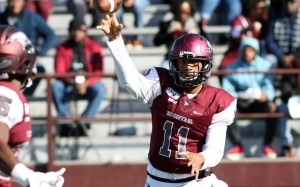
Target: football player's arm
10,113
141,87
7,158
24,176
13,114
213,148
128,76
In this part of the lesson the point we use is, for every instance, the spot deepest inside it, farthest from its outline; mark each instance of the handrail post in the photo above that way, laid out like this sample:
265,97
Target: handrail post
50,124
298,79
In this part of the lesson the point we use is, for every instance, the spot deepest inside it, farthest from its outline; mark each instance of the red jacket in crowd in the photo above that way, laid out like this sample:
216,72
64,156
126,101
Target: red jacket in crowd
94,58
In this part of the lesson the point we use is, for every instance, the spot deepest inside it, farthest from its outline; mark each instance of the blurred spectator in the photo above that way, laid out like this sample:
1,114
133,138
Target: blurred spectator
78,54
254,93
283,39
42,7
285,135
284,129
276,8
230,9
35,27
3,4
137,7
79,8
252,22
181,22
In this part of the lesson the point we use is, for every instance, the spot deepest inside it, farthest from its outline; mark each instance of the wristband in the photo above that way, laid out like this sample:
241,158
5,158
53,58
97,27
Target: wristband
19,174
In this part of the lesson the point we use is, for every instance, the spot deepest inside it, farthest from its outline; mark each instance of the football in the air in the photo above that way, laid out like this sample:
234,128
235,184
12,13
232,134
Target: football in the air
107,6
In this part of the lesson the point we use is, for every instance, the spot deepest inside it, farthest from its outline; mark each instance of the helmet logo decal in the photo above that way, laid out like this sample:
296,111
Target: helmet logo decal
186,104
187,54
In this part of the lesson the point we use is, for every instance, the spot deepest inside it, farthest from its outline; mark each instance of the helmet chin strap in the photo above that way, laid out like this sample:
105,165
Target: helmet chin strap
191,79
26,83
194,77
29,83
188,83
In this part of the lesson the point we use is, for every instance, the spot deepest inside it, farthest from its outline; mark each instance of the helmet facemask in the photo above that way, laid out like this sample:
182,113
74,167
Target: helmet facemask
29,71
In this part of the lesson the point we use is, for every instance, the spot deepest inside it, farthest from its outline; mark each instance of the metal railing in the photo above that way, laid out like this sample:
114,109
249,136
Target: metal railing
50,119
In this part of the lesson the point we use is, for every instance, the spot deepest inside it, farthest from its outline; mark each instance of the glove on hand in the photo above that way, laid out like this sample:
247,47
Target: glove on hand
49,179
28,178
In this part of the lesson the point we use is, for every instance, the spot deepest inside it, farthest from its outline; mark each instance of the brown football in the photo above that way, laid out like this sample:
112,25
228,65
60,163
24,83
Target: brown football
107,6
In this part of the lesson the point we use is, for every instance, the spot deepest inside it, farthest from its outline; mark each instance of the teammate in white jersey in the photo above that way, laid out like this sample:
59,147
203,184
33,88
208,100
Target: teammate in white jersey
17,62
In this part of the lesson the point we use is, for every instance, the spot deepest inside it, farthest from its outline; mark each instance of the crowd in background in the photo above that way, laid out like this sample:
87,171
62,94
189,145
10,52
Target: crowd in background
264,35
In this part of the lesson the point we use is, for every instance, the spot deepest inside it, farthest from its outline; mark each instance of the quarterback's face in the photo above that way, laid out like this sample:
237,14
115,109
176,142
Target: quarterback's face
189,68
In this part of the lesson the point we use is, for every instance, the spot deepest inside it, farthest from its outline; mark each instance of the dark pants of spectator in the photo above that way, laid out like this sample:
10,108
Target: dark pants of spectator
289,87
29,91
63,93
234,135
79,8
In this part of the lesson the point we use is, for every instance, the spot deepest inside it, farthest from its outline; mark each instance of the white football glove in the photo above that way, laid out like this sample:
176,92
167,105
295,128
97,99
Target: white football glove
49,179
250,93
28,178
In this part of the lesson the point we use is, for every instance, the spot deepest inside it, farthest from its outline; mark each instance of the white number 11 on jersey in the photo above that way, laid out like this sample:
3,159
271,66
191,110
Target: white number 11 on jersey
182,133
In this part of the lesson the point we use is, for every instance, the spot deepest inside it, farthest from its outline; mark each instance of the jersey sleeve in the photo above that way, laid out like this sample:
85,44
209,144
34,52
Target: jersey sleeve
213,148
144,88
11,107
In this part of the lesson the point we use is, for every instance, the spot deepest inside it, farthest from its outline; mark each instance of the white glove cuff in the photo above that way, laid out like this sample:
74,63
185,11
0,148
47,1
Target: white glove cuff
19,174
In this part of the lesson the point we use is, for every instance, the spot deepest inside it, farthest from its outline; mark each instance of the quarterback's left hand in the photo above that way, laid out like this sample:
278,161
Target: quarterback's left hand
29,178
49,179
196,160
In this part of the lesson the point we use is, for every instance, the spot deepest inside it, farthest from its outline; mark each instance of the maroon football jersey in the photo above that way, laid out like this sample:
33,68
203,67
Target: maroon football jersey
180,124
14,111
